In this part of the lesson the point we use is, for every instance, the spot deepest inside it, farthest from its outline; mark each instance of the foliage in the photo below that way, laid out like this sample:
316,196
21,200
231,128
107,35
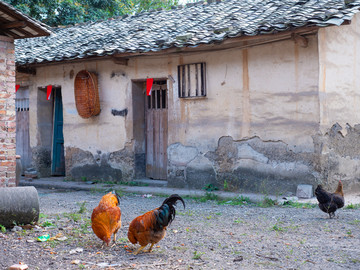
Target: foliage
2,229
241,200
226,186
69,12
47,224
197,255
82,207
74,216
267,202
299,205
353,206
210,187
209,196
134,184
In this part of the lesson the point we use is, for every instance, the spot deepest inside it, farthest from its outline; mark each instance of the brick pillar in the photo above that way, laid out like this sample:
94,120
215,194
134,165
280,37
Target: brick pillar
7,112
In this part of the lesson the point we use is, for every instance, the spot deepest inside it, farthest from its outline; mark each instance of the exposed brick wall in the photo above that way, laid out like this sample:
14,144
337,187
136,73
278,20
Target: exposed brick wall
7,113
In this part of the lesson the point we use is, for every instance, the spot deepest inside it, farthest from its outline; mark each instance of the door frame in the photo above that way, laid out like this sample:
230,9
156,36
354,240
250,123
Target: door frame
22,102
159,133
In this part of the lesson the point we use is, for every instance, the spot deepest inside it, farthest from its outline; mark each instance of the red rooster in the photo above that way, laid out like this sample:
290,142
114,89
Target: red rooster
150,227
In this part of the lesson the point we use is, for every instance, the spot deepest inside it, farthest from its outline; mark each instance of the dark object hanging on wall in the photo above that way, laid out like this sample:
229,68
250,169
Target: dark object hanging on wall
123,112
86,94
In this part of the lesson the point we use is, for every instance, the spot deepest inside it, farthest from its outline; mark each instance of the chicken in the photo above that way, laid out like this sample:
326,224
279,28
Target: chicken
330,202
150,227
106,218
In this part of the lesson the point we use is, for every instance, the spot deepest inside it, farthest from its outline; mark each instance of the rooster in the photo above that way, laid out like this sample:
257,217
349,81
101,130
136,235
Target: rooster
106,218
150,227
330,202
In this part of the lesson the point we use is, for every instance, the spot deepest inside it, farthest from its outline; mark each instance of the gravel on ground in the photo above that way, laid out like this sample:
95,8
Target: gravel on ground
206,235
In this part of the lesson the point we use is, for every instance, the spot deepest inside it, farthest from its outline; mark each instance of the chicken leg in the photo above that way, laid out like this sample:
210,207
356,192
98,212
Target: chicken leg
139,249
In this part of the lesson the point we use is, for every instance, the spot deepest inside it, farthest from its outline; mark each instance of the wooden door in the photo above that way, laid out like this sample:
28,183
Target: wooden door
58,160
22,127
156,132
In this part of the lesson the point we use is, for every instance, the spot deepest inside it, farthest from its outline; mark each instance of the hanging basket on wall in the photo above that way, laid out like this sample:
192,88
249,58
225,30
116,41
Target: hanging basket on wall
86,94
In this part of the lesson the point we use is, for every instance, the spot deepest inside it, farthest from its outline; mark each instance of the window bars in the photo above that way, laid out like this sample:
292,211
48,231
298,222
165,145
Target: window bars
192,80
21,104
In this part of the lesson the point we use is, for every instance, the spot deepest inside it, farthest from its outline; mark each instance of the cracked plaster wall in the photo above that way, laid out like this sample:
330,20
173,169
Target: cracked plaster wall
338,139
248,165
262,126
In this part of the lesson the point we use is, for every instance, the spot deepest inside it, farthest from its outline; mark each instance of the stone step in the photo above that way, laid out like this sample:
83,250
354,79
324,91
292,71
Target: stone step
151,182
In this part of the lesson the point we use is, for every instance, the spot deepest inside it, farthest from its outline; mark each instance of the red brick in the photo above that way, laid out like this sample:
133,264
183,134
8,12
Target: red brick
12,183
7,163
5,95
11,124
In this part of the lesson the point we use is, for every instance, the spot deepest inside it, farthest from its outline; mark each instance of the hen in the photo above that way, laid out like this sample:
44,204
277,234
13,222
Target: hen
150,227
106,218
330,202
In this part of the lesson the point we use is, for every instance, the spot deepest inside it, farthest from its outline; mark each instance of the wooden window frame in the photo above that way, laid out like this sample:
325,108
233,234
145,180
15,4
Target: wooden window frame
185,83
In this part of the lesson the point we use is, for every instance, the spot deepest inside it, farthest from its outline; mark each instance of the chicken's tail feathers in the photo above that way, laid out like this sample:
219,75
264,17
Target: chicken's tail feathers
166,212
172,200
117,196
322,195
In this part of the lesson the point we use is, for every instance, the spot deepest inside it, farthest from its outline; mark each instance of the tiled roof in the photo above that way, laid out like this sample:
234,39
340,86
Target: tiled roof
187,26
14,23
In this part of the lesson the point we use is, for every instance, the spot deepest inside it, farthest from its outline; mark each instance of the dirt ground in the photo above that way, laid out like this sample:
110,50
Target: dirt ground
205,235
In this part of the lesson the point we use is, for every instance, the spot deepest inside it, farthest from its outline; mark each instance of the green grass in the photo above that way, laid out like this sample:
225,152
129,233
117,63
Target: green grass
267,202
278,228
133,184
2,229
41,215
355,222
187,213
236,201
299,205
238,221
85,227
82,207
226,185
209,196
197,255
74,216
210,187
353,206
47,224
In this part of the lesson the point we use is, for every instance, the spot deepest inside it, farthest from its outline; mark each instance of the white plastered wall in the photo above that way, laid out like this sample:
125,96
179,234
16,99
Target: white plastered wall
339,78
269,91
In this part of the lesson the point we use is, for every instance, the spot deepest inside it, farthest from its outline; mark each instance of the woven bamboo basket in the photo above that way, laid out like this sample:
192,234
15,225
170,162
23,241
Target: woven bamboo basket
86,94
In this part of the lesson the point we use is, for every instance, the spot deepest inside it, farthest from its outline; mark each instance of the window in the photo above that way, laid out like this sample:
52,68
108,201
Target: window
158,99
192,80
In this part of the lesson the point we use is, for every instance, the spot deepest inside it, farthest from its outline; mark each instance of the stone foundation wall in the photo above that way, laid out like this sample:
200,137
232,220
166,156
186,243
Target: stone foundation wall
7,113
247,165
340,157
115,167
41,161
